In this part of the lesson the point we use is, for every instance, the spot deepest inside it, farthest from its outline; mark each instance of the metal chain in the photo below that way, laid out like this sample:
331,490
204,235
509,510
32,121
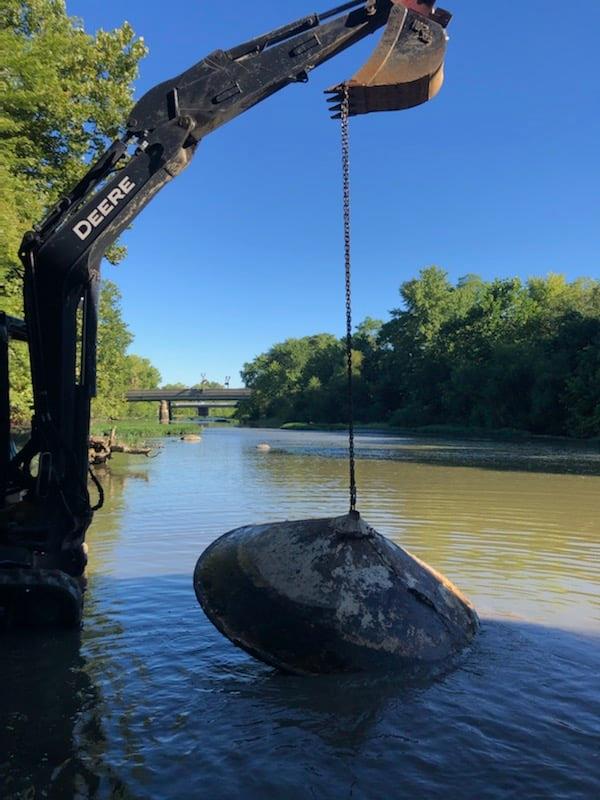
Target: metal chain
344,115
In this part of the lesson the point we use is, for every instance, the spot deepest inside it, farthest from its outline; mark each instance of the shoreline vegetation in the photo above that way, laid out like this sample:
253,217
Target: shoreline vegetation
502,360
137,431
441,445
484,356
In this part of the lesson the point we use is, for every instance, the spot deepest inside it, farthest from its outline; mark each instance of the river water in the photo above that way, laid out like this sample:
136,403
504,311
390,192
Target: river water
149,701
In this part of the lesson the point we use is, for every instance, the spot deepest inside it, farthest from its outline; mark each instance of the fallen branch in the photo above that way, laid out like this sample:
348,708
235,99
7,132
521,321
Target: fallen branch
134,451
101,449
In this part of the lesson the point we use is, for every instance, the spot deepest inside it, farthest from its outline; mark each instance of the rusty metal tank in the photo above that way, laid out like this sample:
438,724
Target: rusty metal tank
331,595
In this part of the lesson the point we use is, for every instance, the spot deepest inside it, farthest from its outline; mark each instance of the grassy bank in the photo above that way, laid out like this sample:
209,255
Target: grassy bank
136,431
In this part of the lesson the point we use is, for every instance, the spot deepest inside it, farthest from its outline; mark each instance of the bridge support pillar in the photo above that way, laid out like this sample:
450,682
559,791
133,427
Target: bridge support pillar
165,414
203,411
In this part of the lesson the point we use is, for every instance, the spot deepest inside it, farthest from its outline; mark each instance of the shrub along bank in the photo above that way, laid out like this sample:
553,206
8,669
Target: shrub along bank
489,355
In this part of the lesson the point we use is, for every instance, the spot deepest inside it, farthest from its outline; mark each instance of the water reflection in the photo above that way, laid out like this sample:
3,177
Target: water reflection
151,702
153,709
536,533
52,742
500,724
51,739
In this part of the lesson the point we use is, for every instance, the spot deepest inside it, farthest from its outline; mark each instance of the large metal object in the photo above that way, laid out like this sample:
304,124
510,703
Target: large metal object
332,595
62,256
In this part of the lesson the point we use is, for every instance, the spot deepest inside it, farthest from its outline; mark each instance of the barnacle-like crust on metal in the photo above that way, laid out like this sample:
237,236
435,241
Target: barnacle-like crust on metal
331,595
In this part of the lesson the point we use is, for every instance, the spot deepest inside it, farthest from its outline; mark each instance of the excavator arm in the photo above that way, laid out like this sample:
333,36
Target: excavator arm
62,256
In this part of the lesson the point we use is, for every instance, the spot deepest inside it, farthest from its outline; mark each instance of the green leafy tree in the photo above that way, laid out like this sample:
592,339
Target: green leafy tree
64,94
279,377
114,337
582,394
206,384
141,374
300,380
174,387
486,354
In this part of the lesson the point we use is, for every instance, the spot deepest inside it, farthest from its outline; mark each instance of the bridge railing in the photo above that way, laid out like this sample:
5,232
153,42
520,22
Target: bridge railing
150,395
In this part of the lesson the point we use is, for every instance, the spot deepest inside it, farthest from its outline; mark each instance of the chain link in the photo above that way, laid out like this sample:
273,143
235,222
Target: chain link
344,115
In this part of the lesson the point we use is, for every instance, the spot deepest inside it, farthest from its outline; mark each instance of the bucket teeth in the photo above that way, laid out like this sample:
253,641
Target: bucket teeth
335,102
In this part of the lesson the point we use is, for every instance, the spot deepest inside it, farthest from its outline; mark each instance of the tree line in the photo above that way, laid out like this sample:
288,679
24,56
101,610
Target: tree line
64,95
487,354
500,354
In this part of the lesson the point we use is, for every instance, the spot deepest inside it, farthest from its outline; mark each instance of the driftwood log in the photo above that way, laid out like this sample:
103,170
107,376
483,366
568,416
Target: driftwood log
101,448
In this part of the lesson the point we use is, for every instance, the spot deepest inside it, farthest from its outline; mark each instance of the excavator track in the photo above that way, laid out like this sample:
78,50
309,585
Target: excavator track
35,598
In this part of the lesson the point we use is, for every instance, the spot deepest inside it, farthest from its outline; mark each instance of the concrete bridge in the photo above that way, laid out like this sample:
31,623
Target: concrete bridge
200,399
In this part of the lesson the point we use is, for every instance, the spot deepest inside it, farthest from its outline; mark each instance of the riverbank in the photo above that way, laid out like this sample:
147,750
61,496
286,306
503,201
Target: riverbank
137,431
535,454
427,431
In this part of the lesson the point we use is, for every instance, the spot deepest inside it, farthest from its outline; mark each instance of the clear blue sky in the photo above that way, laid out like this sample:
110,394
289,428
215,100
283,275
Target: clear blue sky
498,176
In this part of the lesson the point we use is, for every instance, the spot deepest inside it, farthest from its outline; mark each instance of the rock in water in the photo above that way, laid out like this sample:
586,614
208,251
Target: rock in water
331,595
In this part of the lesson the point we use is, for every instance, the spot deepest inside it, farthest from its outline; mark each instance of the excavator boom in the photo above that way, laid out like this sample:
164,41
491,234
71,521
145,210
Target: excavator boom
45,512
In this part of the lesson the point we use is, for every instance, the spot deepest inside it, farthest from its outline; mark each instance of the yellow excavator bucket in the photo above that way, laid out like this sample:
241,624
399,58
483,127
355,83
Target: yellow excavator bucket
407,68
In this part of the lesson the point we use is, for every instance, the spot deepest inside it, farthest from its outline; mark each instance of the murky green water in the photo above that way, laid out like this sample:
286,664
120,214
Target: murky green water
150,702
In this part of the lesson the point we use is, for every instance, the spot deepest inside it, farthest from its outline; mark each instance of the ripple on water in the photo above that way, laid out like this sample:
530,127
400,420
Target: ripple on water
150,701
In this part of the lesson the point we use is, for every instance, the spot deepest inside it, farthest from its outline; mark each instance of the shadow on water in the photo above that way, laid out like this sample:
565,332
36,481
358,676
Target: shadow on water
151,702
51,734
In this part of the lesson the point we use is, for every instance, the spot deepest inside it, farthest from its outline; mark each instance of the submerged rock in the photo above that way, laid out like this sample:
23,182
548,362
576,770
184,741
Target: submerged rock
263,448
331,595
